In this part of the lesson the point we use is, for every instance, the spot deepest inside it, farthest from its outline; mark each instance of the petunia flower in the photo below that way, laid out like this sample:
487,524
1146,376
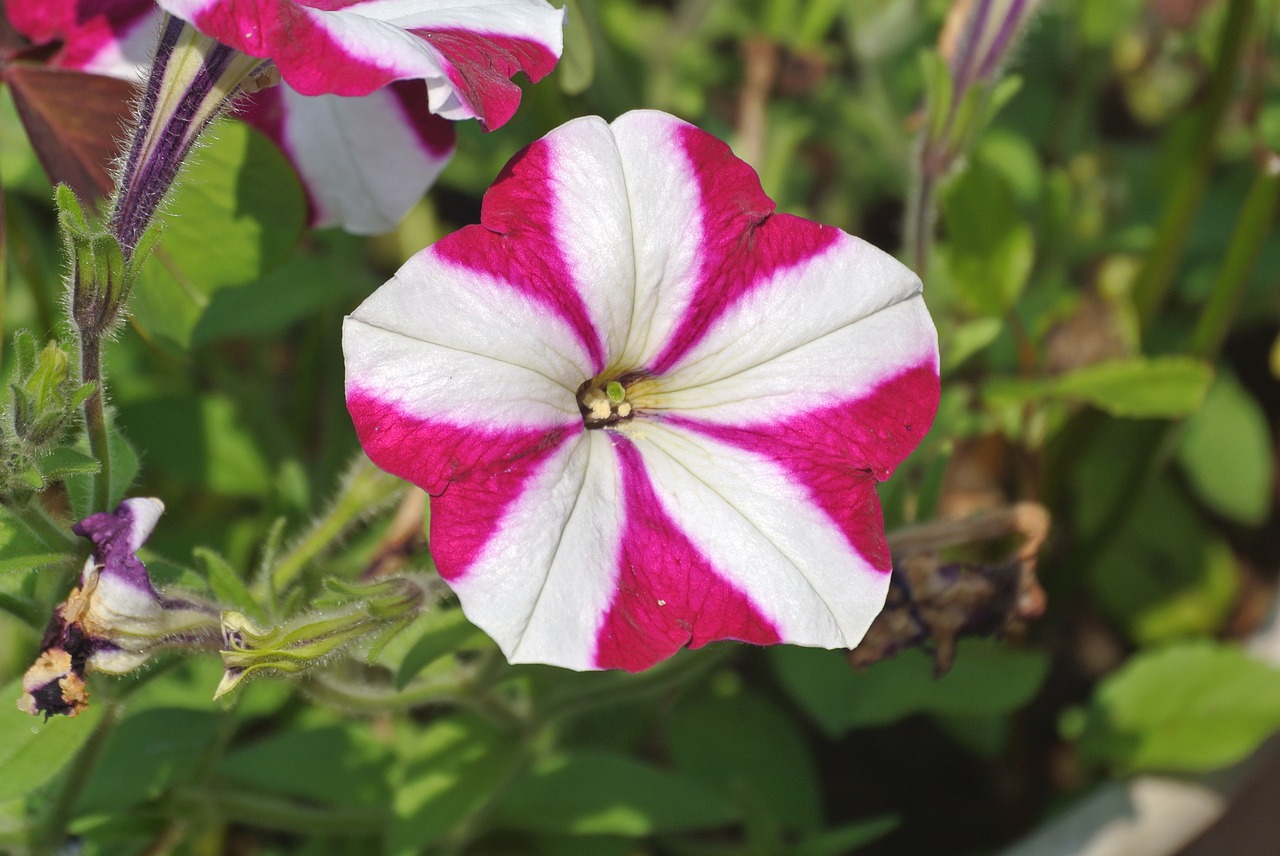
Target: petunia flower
651,411
366,150
115,619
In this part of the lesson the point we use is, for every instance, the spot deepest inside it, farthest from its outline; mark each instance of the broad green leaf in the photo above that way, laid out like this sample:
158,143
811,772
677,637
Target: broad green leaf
1188,707
146,754
236,213
446,632
746,748
64,461
340,765
20,549
124,469
1165,576
600,793
990,248
987,679
328,268
203,442
445,772
1140,388
227,585
1226,453
32,751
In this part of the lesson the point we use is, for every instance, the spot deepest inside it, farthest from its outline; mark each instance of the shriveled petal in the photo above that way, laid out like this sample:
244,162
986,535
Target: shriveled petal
116,39
466,50
363,161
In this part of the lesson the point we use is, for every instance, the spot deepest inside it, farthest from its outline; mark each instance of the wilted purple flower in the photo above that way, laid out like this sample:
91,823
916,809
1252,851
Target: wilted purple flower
115,619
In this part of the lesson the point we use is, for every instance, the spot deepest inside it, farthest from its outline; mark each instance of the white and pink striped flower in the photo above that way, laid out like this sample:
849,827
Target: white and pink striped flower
651,412
369,84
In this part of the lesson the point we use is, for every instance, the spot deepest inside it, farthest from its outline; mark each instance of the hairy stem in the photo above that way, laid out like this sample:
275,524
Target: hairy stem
95,417
365,489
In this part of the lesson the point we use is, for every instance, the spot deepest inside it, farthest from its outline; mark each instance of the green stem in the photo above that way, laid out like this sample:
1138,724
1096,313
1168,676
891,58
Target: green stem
365,489
677,672
459,692
51,834
921,213
95,417
267,811
1192,179
1251,231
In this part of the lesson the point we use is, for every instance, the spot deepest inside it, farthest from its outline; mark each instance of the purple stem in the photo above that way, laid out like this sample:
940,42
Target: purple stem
962,71
1003,38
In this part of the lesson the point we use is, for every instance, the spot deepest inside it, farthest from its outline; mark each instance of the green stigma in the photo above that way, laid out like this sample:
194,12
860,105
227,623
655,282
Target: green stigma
615,392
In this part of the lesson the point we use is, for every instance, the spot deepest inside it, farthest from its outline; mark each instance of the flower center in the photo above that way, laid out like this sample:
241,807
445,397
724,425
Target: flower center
603,402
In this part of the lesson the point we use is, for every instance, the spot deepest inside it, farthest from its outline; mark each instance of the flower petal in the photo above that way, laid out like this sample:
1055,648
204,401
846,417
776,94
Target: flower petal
466,51
117,39
557,226
363,161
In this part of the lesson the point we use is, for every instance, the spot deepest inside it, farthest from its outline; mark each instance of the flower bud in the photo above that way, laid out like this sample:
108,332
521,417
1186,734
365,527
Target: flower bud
300,644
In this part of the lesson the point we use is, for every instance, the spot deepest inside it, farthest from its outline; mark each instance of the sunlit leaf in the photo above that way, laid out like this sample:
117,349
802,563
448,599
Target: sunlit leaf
1189,707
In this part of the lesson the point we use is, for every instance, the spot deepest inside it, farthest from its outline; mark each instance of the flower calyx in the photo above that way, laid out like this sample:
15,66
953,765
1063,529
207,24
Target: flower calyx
350,613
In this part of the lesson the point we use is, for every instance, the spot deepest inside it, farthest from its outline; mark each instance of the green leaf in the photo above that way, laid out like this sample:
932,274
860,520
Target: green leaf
227,585
600,793
1188,707
748,750
446,772
238,210
447,631
204,442
1226,453
64,461
987,679
990,247
1159,387
339,764
32,752
21,549
577,66
124,468
330,264
146,754
1165,576
846,839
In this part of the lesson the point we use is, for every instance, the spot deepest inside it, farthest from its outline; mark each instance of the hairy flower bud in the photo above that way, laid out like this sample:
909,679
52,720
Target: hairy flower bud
300,644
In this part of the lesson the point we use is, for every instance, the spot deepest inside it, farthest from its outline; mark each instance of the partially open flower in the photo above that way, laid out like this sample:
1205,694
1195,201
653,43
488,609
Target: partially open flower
651,412
115,619
366,139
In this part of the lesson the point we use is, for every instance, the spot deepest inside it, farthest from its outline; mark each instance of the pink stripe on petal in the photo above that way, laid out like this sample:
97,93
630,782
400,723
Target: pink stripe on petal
838,453
436,134
480,66
473,474
743,241
86,27
310,59
668,595
516,242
